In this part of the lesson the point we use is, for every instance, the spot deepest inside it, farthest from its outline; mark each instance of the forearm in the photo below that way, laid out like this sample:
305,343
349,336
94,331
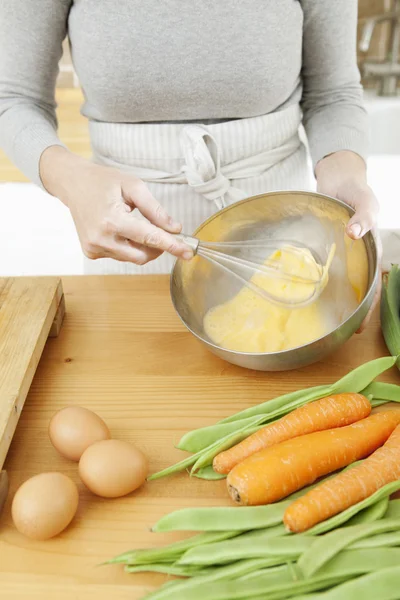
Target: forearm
333,112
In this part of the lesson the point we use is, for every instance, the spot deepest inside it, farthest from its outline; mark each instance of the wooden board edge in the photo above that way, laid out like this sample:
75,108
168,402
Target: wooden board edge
17,401
58,319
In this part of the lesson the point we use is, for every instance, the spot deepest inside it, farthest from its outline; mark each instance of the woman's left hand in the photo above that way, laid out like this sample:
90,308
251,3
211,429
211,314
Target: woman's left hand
343,175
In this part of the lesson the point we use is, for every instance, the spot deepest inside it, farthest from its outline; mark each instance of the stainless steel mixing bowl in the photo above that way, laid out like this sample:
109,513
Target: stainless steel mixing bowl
197,286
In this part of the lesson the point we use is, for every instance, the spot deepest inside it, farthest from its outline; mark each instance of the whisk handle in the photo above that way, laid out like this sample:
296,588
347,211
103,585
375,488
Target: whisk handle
190,241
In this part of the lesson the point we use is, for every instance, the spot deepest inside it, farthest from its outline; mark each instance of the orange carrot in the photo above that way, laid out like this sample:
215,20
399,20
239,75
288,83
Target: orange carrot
276,472
327,413
347,488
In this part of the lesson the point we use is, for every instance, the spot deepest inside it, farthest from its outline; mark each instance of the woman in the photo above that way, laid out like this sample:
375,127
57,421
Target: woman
191,105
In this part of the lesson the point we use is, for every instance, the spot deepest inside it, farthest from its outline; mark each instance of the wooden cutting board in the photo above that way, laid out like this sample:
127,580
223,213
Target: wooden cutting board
124,354
31,309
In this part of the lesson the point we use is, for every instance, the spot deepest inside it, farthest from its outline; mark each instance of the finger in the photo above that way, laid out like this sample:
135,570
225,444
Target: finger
137,193
365,217
125,251
145,234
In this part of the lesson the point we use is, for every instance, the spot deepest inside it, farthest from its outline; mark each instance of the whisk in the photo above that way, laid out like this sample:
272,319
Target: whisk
267,275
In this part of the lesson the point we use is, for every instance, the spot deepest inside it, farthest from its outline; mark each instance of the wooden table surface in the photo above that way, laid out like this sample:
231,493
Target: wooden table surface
123,353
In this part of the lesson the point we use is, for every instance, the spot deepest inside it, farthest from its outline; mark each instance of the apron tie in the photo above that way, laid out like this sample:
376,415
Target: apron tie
192,155
203,166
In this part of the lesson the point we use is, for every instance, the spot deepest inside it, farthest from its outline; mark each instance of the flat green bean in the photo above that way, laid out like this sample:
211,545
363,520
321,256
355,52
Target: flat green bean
379,541
371,513
197,519
217,574
289,547
355,381
208,473
269,583
345,515
194,439
279,583
172,551
223,518
273,409
280,401
381,585
393,509
377,390
198,439
325,547
176,468
207,455
167,568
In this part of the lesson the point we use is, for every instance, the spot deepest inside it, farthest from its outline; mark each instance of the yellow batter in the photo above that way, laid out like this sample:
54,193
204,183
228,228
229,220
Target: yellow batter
249,323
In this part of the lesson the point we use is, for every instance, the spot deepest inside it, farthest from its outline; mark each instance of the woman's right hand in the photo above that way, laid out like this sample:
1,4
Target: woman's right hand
101,201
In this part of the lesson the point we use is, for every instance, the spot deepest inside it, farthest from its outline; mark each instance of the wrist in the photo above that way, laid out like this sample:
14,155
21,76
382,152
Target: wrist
57,168
342,166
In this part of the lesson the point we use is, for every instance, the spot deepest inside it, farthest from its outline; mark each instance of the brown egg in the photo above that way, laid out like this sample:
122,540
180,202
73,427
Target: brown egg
113,468
73,429
44,505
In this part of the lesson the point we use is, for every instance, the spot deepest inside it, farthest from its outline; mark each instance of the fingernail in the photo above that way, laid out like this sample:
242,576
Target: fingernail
187,255
173,223
356,230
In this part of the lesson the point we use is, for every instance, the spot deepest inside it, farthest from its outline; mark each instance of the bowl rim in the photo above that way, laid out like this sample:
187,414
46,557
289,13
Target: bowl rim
370,292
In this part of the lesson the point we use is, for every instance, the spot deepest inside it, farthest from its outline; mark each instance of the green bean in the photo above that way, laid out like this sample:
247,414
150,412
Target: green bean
167,568
202,438
207,455
393,509
390,392
375,403
213,449
272,410
345,515
288,547
276,403
208,473
355,381
378,541
197,519
324,548
381,585
271,583
279,583
172,551
223,518
218,574
176,468
371,513
198,439
166,588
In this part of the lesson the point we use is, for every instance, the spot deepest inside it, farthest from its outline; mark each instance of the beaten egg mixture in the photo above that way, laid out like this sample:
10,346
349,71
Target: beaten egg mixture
250,323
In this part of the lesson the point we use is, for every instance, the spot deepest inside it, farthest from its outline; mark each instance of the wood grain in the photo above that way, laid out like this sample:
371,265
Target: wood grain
27,310
123,353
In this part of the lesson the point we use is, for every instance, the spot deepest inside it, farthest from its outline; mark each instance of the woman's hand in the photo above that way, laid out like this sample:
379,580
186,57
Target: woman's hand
343,175
101,201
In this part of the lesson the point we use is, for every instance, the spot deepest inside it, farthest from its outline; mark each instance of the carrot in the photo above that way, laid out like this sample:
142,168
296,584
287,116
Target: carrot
347,488
327,413
276,472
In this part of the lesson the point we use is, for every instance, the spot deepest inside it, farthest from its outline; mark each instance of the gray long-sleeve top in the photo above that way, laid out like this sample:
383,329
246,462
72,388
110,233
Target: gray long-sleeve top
176,61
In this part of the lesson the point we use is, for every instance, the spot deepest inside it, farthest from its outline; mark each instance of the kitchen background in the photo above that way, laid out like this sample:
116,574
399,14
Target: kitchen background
37,235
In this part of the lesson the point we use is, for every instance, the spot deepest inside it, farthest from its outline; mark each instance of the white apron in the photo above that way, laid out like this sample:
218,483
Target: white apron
194,170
